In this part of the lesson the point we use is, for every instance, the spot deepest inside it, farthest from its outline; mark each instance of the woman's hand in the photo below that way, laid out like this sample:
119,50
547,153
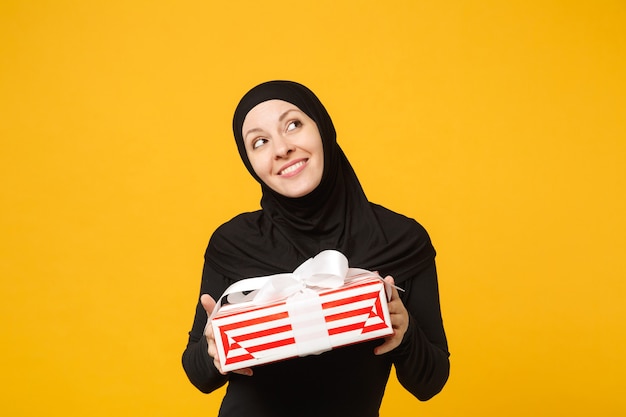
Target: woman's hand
399,321
208,303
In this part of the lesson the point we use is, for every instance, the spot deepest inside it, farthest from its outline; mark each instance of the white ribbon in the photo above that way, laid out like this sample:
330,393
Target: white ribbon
329,269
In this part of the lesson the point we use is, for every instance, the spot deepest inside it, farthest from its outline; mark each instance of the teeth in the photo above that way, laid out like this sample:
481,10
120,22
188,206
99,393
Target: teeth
292,168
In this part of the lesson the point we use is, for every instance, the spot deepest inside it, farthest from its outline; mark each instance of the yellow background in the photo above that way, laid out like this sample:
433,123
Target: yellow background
499,125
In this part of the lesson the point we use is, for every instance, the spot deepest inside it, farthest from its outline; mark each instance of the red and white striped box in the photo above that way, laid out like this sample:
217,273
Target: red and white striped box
248,335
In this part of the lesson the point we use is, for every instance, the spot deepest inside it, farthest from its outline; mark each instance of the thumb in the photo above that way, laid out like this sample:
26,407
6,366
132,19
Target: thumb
208,303
390,288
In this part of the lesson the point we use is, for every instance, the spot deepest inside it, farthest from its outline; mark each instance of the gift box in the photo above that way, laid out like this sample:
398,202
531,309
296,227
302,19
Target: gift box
320,306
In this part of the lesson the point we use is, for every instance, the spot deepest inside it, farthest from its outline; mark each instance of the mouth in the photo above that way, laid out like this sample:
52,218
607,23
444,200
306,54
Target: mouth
292,168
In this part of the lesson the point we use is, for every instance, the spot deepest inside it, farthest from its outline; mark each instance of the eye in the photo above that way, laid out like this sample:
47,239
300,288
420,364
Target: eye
293,125
258,142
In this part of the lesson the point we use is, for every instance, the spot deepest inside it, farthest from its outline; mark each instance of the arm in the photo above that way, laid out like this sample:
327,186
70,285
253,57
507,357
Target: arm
421,360
197,362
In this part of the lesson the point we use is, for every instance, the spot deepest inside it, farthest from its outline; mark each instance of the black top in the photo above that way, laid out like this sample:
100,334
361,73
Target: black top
348,381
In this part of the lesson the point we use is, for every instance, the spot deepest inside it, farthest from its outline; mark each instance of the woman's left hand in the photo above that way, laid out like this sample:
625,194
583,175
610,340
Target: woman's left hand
399,321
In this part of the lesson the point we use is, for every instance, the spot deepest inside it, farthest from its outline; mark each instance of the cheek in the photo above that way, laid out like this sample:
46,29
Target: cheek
322,157
258,165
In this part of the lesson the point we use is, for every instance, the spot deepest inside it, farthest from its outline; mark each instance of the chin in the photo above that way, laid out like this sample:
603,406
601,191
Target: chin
297,193
297,190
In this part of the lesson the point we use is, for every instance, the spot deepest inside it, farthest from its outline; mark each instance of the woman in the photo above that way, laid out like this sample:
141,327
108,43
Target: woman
312,201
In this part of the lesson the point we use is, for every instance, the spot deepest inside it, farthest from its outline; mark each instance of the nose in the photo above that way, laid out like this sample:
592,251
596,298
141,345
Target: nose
282,147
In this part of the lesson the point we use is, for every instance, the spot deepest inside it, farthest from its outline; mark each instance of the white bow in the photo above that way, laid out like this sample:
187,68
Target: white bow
328,269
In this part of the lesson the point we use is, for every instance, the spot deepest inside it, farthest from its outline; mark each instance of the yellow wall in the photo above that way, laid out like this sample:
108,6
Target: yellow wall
500,125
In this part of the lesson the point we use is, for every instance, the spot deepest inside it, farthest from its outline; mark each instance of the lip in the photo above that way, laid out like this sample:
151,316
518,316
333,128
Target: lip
302,161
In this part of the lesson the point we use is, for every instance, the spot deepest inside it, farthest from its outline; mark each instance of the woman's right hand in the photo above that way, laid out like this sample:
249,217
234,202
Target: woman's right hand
209,303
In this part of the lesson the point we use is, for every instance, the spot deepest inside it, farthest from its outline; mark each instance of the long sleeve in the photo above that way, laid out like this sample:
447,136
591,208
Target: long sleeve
422,359
354,377
196,361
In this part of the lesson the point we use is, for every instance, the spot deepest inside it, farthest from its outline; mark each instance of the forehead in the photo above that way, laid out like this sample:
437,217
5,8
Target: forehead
267,112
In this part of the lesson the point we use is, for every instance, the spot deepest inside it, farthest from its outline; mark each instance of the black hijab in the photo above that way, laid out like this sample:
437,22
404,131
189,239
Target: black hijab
336,215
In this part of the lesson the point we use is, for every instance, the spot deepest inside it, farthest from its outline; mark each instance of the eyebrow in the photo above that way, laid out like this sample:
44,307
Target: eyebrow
254,130
282,117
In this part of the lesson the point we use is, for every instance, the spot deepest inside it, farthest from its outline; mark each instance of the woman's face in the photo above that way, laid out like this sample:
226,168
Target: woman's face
284,147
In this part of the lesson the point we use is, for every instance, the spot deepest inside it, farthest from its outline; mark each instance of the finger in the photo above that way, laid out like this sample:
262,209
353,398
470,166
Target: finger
208,332
389,345
212,350
218,366
394,307
244,371
207,302
398,321
394,291
379,350
382,349
211,346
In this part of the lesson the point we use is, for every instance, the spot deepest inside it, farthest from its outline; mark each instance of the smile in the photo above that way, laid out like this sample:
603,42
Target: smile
292,168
